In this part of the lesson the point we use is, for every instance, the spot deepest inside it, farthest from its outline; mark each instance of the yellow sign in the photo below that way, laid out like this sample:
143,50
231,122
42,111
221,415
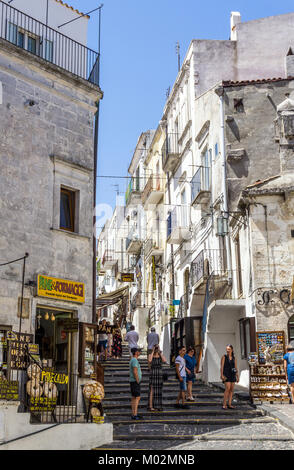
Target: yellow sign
61,289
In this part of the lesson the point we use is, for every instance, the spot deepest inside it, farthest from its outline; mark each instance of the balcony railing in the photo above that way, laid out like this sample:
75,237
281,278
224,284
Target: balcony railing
40,40
170,152
153,190
133,188
108,258
206,261
200,184
133,241
178,224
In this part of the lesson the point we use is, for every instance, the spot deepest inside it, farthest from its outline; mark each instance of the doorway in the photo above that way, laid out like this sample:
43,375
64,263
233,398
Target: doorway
56,346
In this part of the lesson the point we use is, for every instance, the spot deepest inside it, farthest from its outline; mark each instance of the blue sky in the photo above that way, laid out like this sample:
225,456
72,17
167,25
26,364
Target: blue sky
139,63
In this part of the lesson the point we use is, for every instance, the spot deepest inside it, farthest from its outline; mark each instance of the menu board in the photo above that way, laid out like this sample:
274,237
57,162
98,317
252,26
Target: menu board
8,390
270,346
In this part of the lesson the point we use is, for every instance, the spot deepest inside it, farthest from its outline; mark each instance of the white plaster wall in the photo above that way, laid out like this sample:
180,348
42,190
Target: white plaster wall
262,45
58,14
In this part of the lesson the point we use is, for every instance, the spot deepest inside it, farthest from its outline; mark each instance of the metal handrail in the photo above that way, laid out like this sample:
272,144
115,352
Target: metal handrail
45,42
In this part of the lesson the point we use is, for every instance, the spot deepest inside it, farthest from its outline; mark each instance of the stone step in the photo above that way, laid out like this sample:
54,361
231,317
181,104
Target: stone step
144,430
175,416
166,404
126,397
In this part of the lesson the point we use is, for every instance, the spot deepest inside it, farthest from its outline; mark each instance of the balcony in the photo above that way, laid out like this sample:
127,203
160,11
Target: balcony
170,152
153,247
133,243
178,225
206,262
109,259
200,187
153,191
133,192
42,41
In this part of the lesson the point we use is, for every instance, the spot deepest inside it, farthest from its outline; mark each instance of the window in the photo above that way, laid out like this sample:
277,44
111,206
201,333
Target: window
247,336
48,50
27,40
67,209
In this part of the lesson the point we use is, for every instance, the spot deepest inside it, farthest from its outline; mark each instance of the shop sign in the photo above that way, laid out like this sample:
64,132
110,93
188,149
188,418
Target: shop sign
54,377
9,390
70,324
18,349
127,277
106,329
61,289
42,404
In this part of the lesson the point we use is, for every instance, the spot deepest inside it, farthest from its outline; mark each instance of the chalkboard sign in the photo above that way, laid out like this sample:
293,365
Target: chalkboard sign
270,346
9,390
18,349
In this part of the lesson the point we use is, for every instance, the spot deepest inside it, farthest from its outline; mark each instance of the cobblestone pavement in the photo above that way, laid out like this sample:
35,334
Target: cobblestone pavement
271,436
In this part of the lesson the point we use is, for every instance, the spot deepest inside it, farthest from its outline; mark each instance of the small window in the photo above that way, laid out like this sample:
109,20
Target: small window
67,209
216,150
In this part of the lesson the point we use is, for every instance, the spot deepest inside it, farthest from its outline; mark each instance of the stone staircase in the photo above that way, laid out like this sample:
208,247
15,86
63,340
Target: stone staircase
159,430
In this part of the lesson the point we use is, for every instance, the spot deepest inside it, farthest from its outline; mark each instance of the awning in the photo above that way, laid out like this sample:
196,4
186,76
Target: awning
111,298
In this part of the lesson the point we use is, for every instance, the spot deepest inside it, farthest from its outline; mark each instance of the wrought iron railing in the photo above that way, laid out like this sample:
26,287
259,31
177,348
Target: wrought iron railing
133,186
170,147
177,218
206,261
109,256
200,182
40,40
153,184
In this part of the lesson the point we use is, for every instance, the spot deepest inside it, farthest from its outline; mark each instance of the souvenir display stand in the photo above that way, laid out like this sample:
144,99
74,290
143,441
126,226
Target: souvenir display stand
268,381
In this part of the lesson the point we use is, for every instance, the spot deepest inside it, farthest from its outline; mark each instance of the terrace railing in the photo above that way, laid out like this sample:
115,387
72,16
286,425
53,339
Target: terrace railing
40,40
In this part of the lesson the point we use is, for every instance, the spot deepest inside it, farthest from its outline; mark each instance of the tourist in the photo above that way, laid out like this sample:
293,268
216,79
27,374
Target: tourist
229,376
155,361
289,369
102,344
109,339
135,380
152,340
132,338
116,343
181,375
191,371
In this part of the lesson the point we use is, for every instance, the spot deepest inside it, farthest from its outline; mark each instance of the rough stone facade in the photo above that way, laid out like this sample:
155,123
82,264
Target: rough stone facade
46,124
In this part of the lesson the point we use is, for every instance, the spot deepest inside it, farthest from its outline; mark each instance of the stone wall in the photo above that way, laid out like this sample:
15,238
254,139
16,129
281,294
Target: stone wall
46,116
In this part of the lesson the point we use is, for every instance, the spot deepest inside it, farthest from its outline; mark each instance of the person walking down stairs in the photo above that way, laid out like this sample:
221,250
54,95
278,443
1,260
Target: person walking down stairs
132,338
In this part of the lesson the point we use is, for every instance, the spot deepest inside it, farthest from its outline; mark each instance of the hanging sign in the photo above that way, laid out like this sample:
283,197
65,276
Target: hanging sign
61,289
127,277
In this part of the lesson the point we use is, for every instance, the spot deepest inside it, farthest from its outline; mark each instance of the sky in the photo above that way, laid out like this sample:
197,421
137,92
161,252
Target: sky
139,63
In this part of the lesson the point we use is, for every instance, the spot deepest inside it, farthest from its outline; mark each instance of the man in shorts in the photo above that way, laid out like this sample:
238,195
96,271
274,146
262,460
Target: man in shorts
135,380
180,364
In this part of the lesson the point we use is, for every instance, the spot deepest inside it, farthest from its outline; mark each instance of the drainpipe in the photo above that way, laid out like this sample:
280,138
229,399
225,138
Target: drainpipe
220,92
